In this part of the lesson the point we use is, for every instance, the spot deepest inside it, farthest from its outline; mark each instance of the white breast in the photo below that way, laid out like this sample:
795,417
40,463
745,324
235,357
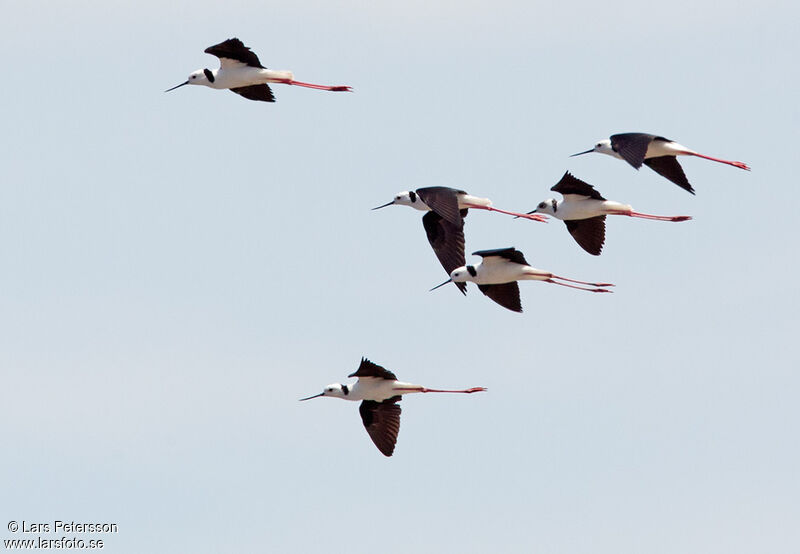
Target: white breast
497,272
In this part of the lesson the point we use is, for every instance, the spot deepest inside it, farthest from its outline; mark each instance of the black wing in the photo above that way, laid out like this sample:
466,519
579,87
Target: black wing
572,185
447,241
256,92
234,49
668,166
589,233
382,422
632,146
506,294
510,254
442,200
368,369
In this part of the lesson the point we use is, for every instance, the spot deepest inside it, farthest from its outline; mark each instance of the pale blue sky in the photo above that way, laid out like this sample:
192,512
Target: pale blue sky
178,269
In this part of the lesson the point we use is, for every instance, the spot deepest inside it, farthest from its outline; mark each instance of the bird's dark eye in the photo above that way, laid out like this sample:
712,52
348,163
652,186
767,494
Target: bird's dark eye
541,205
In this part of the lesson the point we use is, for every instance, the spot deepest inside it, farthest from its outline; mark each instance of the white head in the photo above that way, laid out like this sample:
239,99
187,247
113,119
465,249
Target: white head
336,390
460,275
548,206
199,77
602,146
405,198
463,274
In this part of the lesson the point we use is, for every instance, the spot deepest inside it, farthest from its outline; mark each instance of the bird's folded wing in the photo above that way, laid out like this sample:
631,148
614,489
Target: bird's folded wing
632,147
447,241
570,185
505,294
382,422
368,369
589,233
668,166
442,200
233,53
499,254
256,92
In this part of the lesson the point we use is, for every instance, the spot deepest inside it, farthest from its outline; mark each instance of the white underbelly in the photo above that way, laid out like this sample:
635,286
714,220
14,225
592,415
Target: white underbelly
467,200
496,274
659,148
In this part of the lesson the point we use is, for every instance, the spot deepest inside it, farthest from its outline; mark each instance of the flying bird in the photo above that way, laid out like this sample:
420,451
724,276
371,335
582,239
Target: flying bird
379,392
658,153
584,212
241,72
444,221
499,271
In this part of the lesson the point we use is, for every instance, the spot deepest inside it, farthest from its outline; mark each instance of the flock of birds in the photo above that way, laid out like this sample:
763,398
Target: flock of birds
582,208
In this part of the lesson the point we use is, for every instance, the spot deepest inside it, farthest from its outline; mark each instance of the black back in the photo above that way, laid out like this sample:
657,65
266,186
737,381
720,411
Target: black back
256,92
572,185
511,254
633,146
382,422
589,233
505,294
234,49
668,166
447,241
442,200
368,369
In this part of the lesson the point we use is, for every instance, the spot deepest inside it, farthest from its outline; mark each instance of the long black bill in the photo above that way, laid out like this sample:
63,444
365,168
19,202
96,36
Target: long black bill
310,397
173,88
387,204
581,153
443,284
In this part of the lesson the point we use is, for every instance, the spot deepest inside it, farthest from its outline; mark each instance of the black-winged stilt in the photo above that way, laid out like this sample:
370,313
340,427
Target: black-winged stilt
242,72
584,212
444,223
499,271
658,153
379,392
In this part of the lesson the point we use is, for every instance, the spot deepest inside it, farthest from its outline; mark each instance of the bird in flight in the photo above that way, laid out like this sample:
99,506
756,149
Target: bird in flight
657,153
241,72
379,392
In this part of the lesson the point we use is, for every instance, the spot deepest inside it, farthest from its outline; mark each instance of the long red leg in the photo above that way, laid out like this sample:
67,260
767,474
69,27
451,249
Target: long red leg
424,389
740,165
533,217
582,282
579,288
655,217
465,391
341,88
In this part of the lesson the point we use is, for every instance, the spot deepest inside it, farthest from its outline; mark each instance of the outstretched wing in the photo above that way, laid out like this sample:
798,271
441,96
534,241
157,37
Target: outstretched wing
632,146
447,241
511,254
589,233
572,185
368,369
506,294
442,200
256,92
668,166
382,422
233,52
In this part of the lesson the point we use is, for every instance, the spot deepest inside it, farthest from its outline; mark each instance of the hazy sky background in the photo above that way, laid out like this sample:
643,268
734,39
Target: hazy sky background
176,270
